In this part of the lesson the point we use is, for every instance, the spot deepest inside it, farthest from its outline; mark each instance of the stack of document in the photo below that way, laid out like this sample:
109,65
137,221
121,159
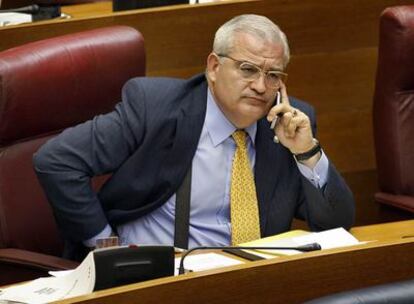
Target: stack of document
328,239
61,285
14,18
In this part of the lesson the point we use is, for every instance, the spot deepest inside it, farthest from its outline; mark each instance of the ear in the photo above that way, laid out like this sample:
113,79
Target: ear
213,66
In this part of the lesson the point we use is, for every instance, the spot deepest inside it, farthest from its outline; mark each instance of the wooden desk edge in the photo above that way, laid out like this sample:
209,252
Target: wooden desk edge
344,251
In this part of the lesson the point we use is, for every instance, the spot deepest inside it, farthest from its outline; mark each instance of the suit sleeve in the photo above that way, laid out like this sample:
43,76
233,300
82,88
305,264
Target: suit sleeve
328,207
66,163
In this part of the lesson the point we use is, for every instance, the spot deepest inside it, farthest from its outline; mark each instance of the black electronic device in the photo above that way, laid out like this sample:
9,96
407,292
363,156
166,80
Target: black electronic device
38,12
117,266
122,5
236,250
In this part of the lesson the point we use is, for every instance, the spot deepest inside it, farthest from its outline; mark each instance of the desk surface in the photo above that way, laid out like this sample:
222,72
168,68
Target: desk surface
290,280
385,232
87,10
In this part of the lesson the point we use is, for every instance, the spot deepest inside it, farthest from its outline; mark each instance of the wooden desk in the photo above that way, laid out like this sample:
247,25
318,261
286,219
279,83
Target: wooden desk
334,53
290,280
385,232
89,10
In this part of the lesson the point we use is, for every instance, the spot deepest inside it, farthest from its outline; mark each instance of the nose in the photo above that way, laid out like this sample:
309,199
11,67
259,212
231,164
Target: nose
259,84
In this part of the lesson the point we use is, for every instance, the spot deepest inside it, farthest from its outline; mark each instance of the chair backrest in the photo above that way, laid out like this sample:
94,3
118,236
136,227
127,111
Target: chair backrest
393,108
47,86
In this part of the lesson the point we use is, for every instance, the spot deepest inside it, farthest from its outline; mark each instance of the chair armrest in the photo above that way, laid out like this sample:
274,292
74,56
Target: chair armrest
400,201
35,260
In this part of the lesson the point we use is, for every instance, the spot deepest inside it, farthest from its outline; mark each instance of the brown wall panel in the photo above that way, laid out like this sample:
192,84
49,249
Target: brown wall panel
340,86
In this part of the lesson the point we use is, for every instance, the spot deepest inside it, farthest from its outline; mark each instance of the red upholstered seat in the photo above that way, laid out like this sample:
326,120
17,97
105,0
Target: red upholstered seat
393,109
47,86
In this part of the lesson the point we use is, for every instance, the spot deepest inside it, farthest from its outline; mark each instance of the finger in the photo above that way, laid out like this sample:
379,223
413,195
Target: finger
271,116
292,121
283,107
299,123
274,111
286,122
302,120
283,91
290,128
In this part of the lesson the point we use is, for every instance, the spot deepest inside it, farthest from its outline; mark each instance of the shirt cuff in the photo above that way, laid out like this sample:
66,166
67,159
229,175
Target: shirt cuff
106,232
319,174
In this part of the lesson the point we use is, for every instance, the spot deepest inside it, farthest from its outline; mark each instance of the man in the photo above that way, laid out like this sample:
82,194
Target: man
165,128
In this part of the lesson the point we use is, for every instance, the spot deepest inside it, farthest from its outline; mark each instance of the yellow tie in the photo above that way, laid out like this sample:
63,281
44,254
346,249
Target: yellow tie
244,209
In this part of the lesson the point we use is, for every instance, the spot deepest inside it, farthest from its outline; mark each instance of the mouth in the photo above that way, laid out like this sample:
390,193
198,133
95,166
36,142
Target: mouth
256,100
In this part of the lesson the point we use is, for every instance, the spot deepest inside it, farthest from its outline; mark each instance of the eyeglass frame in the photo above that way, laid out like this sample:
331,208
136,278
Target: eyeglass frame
261,71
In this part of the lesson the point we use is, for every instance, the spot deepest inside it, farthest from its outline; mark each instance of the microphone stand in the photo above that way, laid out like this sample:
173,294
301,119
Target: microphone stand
30,9
303,248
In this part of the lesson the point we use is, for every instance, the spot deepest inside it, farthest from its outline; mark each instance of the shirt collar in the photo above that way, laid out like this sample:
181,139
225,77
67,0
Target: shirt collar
218,126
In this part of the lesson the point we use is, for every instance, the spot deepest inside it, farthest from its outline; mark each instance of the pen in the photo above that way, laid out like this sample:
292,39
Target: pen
274,121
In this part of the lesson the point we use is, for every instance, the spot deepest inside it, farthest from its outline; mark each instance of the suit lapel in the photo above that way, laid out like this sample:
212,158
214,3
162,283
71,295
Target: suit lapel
190,121
267,168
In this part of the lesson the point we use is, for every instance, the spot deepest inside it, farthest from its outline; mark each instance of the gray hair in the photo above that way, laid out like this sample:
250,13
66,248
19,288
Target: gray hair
256,25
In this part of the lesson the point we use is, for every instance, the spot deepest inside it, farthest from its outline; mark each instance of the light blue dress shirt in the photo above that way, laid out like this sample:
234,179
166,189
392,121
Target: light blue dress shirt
210,190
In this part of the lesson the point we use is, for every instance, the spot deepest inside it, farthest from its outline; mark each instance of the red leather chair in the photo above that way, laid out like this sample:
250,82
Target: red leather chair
393,109
47,86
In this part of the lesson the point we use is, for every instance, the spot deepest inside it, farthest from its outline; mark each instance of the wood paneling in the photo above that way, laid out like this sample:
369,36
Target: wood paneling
340,86
334,53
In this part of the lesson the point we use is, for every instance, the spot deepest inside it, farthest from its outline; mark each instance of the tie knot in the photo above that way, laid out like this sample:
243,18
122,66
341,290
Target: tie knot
239,137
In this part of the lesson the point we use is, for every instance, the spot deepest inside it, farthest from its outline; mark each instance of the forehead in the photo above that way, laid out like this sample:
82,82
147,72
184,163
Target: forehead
258,51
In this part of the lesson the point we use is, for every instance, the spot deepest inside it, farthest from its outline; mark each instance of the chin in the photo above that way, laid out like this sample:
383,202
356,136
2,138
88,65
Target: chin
255,112
247,120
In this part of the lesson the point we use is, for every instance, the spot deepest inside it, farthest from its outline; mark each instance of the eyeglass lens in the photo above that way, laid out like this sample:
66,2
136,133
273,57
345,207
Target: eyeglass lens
252,72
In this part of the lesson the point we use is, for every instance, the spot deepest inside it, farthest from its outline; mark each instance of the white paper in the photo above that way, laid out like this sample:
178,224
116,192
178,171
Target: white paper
74,283
328,239
60,273
14,18
205,261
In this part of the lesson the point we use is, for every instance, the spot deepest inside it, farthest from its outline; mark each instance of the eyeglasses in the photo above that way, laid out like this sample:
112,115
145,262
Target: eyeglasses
251,72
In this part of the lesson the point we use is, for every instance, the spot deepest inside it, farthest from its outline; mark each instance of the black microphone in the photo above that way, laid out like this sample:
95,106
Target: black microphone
302,248
30,9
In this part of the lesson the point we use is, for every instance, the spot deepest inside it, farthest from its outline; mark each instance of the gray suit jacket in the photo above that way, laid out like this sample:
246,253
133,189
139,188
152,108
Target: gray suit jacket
148,142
